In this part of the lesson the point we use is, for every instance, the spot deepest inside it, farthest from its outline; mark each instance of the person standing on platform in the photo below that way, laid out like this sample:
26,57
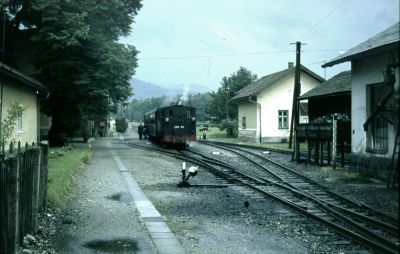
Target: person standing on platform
140,131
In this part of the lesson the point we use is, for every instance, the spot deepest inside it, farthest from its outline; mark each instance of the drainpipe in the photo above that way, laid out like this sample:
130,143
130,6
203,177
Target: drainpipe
1,103
39,99
259,115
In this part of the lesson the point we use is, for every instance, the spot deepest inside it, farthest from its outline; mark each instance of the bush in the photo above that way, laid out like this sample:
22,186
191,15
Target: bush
230,126
85,157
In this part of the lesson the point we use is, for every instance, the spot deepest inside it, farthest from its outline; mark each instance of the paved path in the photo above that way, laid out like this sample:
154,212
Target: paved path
109,213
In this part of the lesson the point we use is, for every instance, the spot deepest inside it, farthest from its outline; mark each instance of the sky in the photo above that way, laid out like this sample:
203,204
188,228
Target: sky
185,42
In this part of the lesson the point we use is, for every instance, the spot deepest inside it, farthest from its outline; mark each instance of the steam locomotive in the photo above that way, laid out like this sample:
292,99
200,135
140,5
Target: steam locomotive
172,125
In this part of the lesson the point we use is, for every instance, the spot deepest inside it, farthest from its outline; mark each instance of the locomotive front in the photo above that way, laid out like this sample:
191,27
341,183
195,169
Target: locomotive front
179,124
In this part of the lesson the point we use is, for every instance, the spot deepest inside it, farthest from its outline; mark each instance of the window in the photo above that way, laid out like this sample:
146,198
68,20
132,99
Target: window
19,124
190,113
19,120
377,135
243,122
283,119
303,108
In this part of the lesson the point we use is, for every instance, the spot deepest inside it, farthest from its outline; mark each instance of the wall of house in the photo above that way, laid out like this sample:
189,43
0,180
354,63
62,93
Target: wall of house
368,71
15,92
250,111
280,97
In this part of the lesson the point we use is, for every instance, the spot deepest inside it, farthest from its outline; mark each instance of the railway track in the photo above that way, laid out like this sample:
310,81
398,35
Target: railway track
282,151
301,182
349,218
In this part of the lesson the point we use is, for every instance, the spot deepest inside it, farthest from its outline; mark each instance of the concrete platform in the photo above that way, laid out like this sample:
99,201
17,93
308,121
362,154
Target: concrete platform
162,237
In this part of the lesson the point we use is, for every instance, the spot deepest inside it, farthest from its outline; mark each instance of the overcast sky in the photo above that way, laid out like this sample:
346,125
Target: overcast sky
183,42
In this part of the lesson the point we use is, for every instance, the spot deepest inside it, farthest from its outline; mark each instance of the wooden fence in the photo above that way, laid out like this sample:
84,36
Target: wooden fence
320,136
23,189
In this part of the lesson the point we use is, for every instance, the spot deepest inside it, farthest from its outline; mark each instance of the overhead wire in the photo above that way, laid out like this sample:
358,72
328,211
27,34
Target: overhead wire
325,17
232,55
322,20
316,24
338,19
212,56
313,28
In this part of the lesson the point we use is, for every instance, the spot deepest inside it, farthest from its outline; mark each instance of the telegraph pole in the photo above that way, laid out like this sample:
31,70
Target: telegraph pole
296,93
3,10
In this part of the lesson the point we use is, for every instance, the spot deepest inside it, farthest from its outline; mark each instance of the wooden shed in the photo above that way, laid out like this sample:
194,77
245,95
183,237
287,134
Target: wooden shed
332,96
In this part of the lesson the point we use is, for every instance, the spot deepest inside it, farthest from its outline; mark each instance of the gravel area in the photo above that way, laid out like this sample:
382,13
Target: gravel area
370,191
206,220
216,220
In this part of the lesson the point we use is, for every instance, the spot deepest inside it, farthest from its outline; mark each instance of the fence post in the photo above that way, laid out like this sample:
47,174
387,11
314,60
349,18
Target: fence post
3,205
22,190
334,140
12,203
34,164
44,157
27,155
297,147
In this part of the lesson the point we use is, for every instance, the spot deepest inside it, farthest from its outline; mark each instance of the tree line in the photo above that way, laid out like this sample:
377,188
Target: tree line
216,107
136,109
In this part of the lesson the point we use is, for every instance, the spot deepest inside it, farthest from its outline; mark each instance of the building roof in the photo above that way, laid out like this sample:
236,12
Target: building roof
263,83
385,40
26,80
340,83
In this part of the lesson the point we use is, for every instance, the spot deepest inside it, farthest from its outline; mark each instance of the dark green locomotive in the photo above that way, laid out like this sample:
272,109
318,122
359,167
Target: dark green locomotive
173,125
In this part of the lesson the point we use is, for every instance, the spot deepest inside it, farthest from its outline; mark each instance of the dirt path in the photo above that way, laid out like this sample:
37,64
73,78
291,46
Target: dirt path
100,215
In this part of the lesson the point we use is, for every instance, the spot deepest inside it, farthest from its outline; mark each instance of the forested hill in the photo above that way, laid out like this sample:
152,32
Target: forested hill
144,90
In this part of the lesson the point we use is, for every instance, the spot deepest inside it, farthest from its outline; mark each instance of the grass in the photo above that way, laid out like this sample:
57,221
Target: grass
63,166
217,135
213,132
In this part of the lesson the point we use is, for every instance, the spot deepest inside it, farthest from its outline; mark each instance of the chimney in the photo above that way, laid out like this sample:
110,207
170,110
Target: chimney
290,65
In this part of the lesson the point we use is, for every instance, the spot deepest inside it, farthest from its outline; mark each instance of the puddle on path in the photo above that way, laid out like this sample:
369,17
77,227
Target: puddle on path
113,246
120,197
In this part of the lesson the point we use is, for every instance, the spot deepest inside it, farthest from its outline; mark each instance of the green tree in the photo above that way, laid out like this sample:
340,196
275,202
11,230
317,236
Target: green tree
221,109
7,126
200,102
74,51
137,107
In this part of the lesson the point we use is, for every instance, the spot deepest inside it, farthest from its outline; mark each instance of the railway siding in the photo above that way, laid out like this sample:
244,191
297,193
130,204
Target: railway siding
227,159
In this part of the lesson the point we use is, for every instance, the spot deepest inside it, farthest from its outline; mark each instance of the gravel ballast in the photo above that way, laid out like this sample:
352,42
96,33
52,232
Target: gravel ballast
216,220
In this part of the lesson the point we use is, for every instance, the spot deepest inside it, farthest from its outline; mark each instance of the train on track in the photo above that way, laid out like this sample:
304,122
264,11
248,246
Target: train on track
172,125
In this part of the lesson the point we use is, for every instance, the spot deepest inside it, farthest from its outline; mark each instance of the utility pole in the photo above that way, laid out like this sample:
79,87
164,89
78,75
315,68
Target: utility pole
226,101
3,10
296,93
